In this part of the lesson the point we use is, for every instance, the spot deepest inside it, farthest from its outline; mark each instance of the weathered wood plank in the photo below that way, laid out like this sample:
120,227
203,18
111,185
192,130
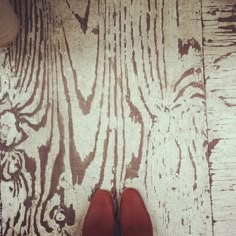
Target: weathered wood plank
220,71
104,95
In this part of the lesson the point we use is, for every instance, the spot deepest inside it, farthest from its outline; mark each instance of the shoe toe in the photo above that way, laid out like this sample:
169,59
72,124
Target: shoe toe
134,217
99,219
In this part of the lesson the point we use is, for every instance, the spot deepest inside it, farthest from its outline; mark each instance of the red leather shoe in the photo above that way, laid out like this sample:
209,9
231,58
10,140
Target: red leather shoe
99,220
134,217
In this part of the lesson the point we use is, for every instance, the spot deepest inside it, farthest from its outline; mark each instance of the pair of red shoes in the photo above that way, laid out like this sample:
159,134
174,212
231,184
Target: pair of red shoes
134,218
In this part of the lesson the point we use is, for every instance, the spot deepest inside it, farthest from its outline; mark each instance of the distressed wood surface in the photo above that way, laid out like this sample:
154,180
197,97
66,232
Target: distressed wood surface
104,94
220,71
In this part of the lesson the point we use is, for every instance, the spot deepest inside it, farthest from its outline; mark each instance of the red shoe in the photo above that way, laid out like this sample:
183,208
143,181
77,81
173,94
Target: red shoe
134,218
99,220
9,25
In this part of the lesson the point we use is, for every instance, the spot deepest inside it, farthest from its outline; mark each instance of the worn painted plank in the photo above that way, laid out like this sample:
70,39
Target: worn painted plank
105,94
220,71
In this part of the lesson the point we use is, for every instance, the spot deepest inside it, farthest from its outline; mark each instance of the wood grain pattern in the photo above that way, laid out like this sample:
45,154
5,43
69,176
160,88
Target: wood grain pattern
104,94
220,56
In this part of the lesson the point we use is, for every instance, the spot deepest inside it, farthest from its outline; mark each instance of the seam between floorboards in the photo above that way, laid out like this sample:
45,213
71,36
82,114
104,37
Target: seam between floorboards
206,117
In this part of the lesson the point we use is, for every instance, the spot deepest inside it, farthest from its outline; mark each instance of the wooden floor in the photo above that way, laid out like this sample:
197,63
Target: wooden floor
120,93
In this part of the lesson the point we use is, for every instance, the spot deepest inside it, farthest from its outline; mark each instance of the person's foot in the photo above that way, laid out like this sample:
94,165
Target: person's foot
8,23
134,218
99,220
